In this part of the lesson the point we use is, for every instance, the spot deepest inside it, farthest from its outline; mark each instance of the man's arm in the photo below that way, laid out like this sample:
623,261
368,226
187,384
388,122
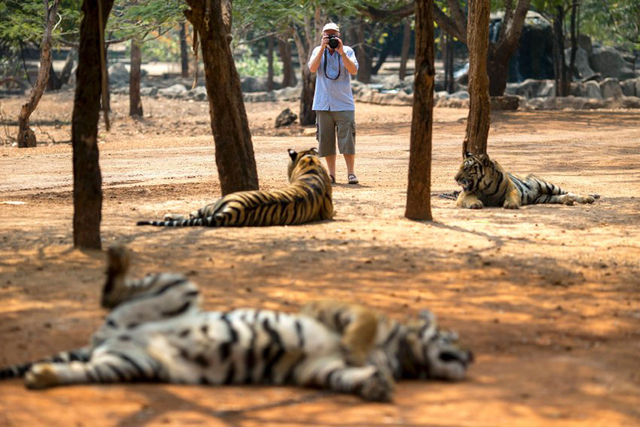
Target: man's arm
314,62
351,66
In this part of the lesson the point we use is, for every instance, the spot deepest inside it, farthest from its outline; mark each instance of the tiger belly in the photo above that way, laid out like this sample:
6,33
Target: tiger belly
239,347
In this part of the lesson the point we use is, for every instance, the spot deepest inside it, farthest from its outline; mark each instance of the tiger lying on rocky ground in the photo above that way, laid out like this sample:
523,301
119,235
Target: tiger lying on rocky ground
307,198
156,331
485,183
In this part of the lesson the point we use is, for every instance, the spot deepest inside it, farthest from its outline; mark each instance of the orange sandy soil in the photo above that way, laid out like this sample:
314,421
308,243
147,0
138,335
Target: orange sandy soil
548,297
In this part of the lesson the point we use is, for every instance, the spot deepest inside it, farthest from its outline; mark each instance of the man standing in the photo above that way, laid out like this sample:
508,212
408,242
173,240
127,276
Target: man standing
333,100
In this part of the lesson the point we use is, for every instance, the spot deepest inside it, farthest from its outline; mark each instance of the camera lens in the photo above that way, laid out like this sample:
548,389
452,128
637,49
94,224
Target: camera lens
333,42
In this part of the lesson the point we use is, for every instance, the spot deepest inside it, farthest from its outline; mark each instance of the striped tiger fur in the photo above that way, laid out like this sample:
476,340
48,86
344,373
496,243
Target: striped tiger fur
308,198
485,183
157,332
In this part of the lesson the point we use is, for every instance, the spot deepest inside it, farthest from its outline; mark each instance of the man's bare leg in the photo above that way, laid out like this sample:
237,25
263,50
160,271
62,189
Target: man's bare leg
331,164
350,160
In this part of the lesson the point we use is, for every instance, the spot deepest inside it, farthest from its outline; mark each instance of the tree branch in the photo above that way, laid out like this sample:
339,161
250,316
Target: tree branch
448,24
458,15
386,14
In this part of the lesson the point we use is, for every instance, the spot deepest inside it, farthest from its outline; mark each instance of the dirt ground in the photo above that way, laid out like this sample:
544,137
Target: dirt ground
547,297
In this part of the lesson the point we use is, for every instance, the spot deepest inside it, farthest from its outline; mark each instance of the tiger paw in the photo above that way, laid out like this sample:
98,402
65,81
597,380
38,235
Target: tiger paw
379,387
587,199
173,217
568,200
511,205
41,376
475,205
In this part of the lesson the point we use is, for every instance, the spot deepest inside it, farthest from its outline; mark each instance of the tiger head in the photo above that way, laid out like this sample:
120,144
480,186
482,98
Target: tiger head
302,160
474,168
433,353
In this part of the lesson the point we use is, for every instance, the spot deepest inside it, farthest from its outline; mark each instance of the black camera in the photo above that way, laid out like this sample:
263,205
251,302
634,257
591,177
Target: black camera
333,41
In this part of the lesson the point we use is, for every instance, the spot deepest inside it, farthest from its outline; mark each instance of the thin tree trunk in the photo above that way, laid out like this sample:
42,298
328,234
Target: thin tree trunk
135,101
364,69
406,44
560,67
26,137
500,53
53,83
270,63
386,50
574,38
184,51
65,74
419,188
289,76
87,178
480,103
498,67
229,124
449,82
307,116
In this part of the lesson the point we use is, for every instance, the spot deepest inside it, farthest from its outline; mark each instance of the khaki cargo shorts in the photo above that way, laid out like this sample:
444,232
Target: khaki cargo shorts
327,122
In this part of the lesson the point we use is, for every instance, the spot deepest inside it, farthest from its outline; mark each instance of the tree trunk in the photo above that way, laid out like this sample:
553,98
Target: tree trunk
270,63
234,149
307,116
26,137
419,188
479,118
386,49
364,61
500,52
184,51
406,44
574,39
87,179
449,82
65,74
135,101
289,76
498,67
53,83
560,66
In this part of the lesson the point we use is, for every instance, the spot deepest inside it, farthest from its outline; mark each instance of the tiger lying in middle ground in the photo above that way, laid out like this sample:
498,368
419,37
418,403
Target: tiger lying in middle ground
308,198
485,183
157,332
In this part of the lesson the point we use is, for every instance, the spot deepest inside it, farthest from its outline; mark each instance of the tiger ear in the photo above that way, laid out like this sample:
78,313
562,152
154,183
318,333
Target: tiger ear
484,158
292,154
467,154
315,150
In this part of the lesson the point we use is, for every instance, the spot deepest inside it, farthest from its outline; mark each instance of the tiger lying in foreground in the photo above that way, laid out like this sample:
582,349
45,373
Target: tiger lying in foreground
307,198
485,183
157,332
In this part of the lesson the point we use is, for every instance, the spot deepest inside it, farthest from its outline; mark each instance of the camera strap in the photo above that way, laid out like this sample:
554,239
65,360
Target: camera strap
325,66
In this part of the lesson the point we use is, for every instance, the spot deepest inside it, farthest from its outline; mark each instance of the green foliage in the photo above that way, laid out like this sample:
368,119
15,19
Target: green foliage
140,18
21,22
613,21
248,65
163,47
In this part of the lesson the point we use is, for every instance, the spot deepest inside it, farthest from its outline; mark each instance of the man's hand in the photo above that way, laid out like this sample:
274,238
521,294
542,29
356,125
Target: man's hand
325,42
340,47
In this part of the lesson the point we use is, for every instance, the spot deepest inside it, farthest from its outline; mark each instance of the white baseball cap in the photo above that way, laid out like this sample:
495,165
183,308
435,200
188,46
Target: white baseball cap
330,26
